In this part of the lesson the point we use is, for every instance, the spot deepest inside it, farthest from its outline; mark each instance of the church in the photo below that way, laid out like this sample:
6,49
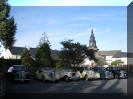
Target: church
104,57
92,45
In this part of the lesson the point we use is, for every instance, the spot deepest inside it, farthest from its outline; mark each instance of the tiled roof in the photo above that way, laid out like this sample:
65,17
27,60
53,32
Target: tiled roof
33,52
120,55
54,53
108,53
18,51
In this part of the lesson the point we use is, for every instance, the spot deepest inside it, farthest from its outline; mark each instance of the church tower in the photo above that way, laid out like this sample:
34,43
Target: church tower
92,42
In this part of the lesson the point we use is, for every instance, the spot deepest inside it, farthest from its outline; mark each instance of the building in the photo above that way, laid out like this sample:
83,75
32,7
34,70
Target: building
92,42
109,55
92,45
105,57
15,53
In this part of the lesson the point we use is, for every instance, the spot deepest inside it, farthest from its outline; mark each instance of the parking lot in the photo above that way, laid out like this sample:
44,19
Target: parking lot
82,86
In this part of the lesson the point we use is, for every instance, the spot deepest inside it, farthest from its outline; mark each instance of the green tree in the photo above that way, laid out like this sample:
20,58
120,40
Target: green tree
27,59
43,52
7,25
58,65
72,54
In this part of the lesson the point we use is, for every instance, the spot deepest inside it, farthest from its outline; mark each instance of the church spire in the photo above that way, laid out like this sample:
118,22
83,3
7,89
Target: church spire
92,41
92,34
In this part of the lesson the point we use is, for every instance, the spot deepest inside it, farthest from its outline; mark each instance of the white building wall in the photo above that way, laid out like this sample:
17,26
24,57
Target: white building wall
6,54
109,59
87,62
2,49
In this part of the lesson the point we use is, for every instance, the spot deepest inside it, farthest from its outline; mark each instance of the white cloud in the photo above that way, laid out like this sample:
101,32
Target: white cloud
97,31
87,32
84,18
51,22
77,24
122,36
107,30
105,15
30,39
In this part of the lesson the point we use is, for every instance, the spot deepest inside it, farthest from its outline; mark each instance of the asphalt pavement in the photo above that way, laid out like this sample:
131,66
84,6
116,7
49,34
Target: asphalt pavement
83,86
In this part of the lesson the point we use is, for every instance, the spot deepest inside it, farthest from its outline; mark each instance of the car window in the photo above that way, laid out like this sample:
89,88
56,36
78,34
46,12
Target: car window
19,68
46,69
87,69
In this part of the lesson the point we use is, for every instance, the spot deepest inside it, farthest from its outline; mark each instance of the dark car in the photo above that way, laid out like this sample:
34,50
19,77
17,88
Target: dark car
19,73
117,72
104,74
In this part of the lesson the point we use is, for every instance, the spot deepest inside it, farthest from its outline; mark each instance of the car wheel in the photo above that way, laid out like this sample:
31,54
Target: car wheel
66,78
43,79
56,81
78,79
116,76
86,77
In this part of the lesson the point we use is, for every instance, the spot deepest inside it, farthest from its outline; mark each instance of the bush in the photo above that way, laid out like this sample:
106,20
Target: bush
6,63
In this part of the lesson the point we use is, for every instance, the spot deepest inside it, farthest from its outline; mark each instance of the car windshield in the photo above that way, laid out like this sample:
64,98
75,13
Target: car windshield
99,69
46,68
67,70
118,68
113,68
86,68
20,68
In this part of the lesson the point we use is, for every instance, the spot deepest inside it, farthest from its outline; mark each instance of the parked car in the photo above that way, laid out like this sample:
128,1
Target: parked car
88,73
104,73
46,74
117,72
67,74
19,73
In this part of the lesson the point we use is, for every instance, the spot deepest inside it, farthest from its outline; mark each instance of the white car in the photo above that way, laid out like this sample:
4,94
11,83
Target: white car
67,75
88,73
46,74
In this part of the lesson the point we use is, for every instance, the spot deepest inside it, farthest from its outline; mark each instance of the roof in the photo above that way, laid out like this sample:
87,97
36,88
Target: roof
32,51
108,53
55,54
18,51
120,55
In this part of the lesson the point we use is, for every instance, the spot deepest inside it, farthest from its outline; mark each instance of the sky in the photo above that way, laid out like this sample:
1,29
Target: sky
69,2
68,22
71,19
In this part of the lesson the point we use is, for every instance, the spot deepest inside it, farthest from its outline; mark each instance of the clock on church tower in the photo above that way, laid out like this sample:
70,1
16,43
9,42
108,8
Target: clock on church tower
92,42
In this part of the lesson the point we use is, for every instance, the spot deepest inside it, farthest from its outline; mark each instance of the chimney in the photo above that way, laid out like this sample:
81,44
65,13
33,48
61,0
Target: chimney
28,47
122,50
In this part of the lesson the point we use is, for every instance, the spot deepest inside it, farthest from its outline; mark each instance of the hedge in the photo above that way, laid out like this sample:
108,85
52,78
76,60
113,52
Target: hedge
6,63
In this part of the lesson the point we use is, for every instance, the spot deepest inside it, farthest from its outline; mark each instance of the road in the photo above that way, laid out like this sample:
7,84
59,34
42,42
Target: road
96,86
